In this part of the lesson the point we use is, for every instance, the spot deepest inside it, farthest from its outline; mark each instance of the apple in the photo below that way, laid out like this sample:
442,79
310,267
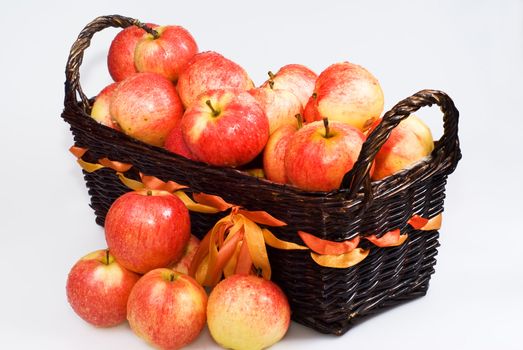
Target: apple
120,59
189,252
101,107
295,78
147,229
146,106
280,106
176,144
225,128
167,54
167,309
274,152
320,153
408,143
210,71
348,93
310,112
247,312
98,287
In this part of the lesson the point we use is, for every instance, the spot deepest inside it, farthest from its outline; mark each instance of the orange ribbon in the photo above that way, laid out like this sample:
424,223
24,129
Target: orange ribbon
423,224
235,245
392,238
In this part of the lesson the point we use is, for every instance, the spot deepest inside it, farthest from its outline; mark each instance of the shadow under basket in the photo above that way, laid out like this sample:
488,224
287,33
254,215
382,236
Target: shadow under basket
329,300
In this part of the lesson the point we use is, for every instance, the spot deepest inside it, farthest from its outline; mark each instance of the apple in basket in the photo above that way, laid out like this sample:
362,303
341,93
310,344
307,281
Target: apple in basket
247,312
320,153
346,92
98,287
176,144
295,78
280,106
101,111
225,128
146,106
210,71
167,309
167,54
274,152
147,229
120,59
408,143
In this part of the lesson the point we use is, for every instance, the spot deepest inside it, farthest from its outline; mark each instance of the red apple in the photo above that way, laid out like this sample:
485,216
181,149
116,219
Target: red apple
274,152
295,78
225,128
320,153
348,93
189,252
98,288
167,309
146,106
210,71
176,144
147,229
120,59
101,107
408,143
280,106
247,312
168,54
310,112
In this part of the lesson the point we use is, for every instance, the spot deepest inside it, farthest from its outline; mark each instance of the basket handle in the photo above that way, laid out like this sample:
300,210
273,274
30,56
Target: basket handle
73,89
448,144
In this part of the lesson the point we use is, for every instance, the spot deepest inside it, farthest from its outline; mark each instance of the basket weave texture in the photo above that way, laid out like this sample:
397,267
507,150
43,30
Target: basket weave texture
329,300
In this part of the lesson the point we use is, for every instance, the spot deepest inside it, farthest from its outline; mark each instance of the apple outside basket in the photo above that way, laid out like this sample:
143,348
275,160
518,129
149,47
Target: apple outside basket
329,300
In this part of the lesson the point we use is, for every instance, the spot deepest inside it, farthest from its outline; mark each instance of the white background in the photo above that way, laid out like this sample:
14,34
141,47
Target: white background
473,50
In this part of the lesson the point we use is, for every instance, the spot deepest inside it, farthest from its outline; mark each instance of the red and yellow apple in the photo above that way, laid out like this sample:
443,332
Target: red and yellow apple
280,106
225,128
295,78
189,252
120,59
210,71
167,54
321,153
98,288
247,312
101,111
348,93
147,229
146,106
274,152
408,143
175,142
167,309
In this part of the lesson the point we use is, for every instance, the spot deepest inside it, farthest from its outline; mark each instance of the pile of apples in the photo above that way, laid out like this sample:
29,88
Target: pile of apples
142,277
296,128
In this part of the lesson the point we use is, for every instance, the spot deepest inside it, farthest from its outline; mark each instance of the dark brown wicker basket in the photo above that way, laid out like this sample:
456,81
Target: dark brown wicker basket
326,299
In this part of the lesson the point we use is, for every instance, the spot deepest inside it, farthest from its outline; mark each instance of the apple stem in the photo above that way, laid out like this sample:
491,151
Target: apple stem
314,95
172,277
148,29
326,124
107,257
300,120
149,192
215,112
271,79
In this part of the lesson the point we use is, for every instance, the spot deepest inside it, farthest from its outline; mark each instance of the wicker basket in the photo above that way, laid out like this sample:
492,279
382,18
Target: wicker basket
329,300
